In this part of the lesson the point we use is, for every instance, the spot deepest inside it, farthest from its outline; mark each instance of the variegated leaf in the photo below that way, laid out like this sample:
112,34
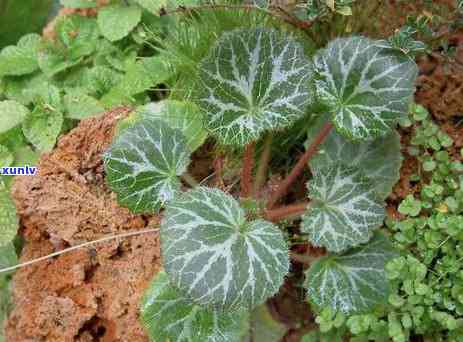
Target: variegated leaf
217,257
353,282
366,88
379,159
253,80
143,164
344,208
168,315
182,115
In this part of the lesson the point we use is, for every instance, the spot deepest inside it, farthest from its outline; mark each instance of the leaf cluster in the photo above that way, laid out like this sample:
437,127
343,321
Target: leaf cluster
427,279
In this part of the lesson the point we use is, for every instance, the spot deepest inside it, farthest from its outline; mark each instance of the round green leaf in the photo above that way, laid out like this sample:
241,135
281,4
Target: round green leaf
184,116
353,282
22,58
80,105
117,21
42,127
218,258
8,220
344,208
168,315
143,164
379,159
365,88
12,114
253,80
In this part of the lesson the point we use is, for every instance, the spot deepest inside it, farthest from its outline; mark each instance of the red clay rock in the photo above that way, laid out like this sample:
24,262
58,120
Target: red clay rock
91,294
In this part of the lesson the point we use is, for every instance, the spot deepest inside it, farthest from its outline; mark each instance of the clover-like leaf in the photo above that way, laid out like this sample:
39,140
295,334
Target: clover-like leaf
353,282
117,21
168,315
153,6
12,114
253,80
379,159
365,87
8,219
217,257
22,58
344,210
143,164
184,116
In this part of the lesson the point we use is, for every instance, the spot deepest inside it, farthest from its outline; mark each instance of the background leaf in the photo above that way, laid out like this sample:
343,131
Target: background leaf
253,80
184,116
170,316
344,208
364,87
353,282
6,157
22,58
42,128
8,219
215,256
80,105
117,21
143,164
12,114
379,159
79,3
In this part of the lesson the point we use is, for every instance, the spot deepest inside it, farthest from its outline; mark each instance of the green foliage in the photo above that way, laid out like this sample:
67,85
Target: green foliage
253,81
117,21
344,208
427,280
22,58
352,282
19,18
218,257
380,159
12,114
364,87
169,315
143,164
8,221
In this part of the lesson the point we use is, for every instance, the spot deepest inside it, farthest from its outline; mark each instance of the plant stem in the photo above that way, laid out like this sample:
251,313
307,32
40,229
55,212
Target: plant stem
86,244
190,180
262,168
303,258
246,172
283,187
286,212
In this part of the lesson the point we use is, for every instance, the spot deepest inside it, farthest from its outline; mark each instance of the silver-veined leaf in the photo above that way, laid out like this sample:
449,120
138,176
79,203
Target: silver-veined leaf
344,208
168,315
8,220
217,257
184,116
353,282
365,88
143,164
253,80
380,159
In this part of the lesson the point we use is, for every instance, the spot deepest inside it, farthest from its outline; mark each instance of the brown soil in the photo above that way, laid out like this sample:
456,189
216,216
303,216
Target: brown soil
90,294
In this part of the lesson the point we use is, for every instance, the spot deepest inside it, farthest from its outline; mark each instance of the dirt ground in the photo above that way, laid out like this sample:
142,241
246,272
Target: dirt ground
91,294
